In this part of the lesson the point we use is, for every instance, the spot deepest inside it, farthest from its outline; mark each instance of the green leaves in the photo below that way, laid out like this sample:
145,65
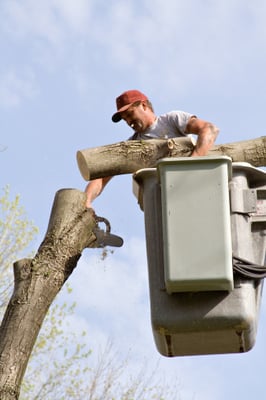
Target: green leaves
16,233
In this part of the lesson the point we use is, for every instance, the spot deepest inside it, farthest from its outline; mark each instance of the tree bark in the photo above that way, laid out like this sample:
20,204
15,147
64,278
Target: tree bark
36,283
127,157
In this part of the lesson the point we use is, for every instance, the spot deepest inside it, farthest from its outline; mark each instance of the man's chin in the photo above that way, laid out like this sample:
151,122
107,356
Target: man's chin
137,126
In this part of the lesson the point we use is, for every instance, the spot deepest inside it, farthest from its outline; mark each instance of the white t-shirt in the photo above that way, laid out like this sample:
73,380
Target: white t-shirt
170,125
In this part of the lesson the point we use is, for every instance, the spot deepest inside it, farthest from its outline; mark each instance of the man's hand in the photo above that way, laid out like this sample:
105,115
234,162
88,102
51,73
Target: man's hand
206,132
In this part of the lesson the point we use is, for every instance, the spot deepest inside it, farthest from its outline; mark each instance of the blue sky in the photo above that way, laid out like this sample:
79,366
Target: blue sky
62,65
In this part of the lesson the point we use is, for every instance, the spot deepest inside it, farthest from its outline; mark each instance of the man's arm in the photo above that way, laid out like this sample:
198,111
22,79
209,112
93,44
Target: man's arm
95,188
207,133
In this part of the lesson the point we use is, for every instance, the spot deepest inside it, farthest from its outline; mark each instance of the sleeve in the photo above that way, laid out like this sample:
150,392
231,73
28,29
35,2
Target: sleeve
179,120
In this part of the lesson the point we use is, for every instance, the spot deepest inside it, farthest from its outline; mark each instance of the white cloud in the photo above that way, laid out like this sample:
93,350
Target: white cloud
115,283
183,44
113,294
52,20
76,14
31,18
176,47
48,36
16,88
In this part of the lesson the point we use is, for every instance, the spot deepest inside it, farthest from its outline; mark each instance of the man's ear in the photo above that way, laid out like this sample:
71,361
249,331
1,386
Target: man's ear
144,105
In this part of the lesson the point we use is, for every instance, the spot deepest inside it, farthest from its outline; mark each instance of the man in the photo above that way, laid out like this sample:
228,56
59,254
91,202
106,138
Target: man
136,110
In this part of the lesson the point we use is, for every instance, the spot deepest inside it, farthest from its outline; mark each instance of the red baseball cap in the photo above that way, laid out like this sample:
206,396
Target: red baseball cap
125,100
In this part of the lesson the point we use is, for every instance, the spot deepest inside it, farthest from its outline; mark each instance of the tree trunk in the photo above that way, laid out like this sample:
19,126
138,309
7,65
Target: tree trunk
127,157
36,283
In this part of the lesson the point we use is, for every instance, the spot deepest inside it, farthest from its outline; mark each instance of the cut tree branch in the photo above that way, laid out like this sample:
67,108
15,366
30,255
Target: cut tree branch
129,156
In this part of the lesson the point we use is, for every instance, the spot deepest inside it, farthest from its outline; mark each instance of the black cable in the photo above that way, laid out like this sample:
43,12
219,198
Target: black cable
248,269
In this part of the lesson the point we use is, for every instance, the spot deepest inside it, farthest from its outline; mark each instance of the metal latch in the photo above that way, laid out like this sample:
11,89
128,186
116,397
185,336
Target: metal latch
243,201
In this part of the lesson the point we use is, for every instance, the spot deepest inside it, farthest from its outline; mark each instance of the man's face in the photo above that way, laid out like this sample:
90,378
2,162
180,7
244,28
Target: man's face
136,117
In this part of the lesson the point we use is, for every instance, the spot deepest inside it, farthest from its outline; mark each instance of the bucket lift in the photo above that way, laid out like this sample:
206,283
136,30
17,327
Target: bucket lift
205,225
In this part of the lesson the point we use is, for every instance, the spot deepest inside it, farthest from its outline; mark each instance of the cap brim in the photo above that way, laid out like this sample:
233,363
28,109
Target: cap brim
116,117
